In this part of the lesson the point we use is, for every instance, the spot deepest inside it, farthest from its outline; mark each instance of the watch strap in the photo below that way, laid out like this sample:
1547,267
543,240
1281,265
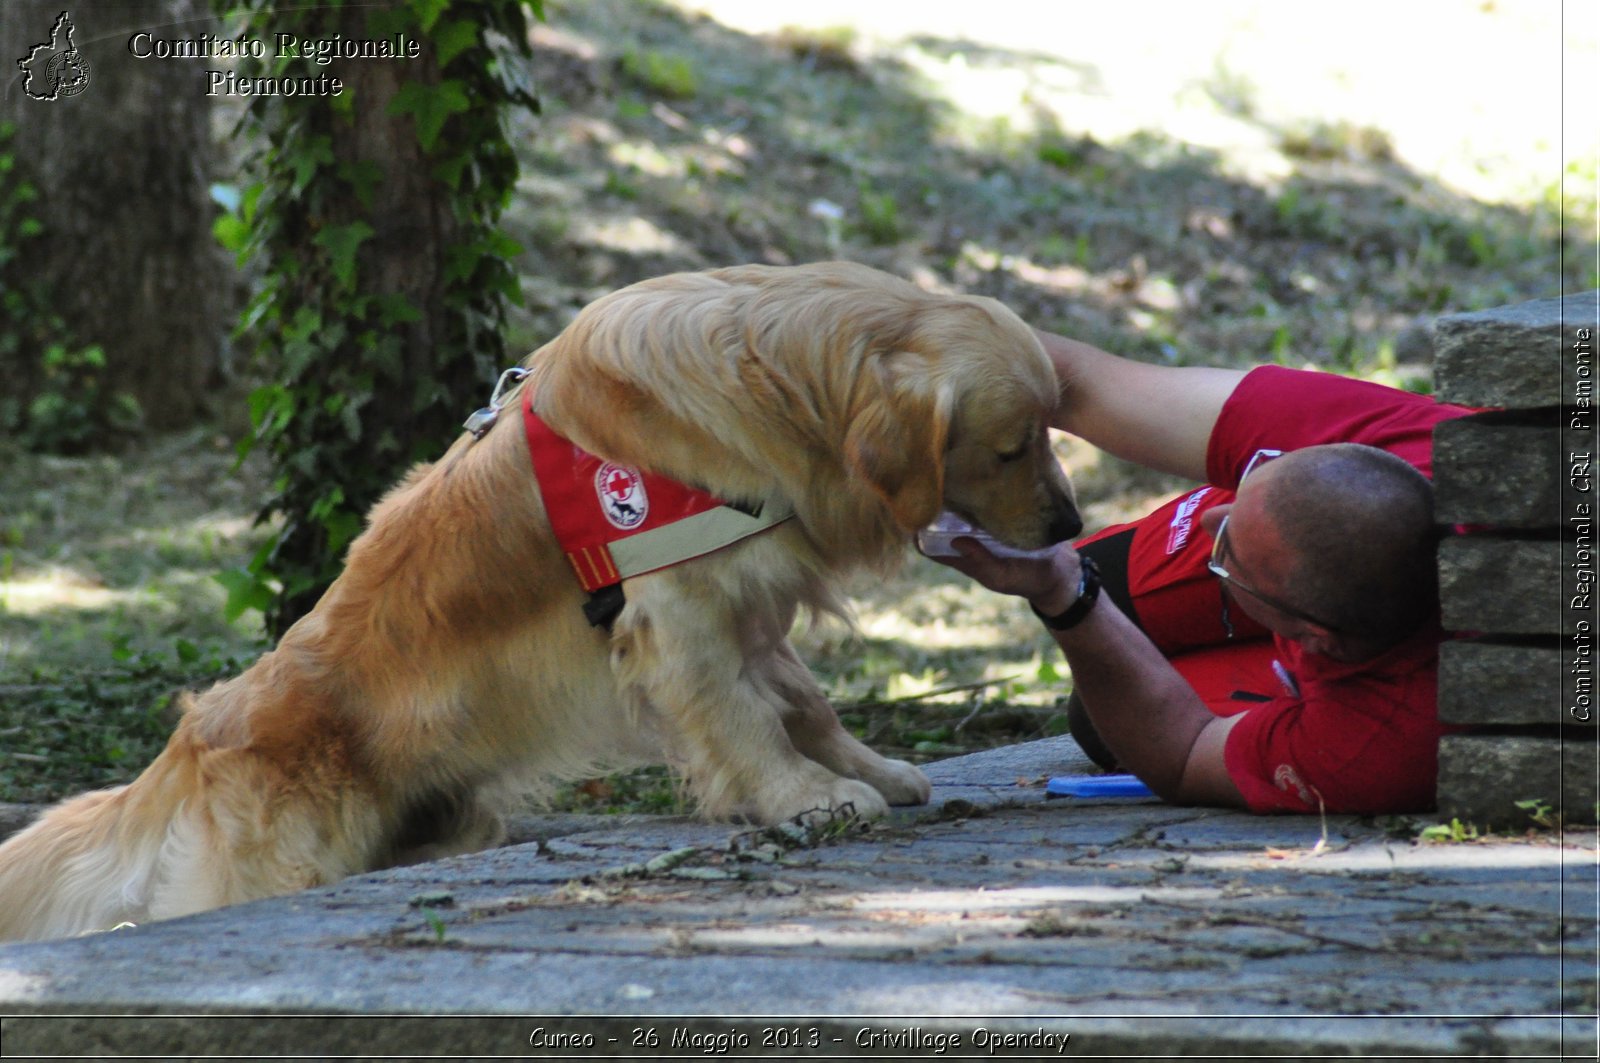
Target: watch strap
1088,594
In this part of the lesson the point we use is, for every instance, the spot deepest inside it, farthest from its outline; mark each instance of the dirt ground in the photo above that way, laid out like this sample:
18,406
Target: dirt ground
1231,190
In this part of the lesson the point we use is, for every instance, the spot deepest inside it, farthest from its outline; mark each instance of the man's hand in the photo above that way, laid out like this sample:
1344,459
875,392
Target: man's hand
1050,584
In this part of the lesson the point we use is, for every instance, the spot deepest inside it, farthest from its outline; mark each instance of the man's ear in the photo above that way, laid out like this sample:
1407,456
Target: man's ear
896,445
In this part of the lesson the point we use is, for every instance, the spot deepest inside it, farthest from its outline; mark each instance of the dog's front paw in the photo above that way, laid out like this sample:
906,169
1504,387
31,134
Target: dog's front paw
814,802
902,784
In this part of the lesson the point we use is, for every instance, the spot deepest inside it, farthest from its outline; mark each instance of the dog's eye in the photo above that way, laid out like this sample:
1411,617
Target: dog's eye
1013,455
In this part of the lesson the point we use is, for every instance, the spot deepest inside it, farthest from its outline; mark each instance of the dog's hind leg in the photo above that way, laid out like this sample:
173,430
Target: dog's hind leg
447,823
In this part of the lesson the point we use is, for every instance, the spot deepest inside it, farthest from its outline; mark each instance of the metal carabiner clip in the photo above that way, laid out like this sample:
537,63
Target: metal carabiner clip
509,379
482,420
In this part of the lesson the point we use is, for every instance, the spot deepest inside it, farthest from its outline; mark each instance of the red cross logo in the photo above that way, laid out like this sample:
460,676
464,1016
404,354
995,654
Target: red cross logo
620,483
620,489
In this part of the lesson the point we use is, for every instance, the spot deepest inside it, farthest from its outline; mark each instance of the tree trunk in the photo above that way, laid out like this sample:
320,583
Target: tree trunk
412,227
414,224
126,259
407,380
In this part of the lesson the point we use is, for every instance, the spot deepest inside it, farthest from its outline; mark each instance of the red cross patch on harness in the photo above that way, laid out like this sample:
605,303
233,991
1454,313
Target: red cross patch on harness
623,500
614,521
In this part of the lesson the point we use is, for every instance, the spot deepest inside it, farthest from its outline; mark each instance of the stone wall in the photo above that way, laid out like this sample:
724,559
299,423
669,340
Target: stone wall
1519,577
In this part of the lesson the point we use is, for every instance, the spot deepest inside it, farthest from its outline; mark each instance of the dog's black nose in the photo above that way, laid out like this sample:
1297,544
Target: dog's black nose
1065,524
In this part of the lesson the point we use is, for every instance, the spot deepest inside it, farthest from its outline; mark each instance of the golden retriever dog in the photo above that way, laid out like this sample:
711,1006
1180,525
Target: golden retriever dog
452,665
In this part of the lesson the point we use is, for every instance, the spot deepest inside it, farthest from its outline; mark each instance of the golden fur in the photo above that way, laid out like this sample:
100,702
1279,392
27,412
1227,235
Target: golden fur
451,663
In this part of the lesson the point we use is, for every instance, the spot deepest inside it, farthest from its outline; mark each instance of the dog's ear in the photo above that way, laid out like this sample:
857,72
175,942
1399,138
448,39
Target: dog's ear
896,443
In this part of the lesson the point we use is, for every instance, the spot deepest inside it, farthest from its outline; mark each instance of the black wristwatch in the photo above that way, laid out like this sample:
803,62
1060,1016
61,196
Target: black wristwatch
1088,594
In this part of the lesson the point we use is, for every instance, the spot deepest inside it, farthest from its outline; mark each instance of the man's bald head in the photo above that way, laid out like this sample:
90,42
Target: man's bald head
1359,522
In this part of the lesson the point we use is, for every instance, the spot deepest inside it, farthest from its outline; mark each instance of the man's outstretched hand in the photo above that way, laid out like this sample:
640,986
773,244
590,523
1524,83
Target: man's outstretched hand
1049,584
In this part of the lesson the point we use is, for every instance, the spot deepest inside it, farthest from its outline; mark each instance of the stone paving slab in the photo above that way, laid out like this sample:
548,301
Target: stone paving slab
994,922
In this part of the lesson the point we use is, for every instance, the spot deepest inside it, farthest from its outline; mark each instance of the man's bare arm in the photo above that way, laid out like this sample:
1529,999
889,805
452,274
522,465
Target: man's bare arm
1157,416
1144,711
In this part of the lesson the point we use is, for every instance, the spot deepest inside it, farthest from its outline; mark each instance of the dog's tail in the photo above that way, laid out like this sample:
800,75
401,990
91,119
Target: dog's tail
69,871
201,827
97,860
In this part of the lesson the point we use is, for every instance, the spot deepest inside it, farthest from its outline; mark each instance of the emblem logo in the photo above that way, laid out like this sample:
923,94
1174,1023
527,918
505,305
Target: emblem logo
55,69
1182,524
621,492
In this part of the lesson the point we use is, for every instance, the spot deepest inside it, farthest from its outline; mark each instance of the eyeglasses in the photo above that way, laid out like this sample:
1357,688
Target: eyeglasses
1229,582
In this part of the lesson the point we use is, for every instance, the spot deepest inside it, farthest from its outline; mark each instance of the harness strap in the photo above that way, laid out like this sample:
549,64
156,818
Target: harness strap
614,521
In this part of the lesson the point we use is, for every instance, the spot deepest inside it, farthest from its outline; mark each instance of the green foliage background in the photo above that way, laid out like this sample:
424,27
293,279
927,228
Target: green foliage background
363,379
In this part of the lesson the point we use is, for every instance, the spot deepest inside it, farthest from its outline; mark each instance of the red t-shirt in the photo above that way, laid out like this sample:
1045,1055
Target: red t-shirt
1275,408
1176,599
1341,737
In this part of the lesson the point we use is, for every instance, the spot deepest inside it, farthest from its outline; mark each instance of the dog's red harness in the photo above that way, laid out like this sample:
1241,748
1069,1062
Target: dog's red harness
614,521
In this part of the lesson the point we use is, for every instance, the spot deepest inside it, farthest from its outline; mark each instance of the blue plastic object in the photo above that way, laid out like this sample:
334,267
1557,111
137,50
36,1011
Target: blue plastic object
1097,786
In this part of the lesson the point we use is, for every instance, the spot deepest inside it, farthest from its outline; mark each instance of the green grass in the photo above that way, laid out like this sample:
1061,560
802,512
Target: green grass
92,728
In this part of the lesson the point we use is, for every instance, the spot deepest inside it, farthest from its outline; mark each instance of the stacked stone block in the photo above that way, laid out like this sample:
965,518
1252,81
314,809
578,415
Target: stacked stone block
1518,574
